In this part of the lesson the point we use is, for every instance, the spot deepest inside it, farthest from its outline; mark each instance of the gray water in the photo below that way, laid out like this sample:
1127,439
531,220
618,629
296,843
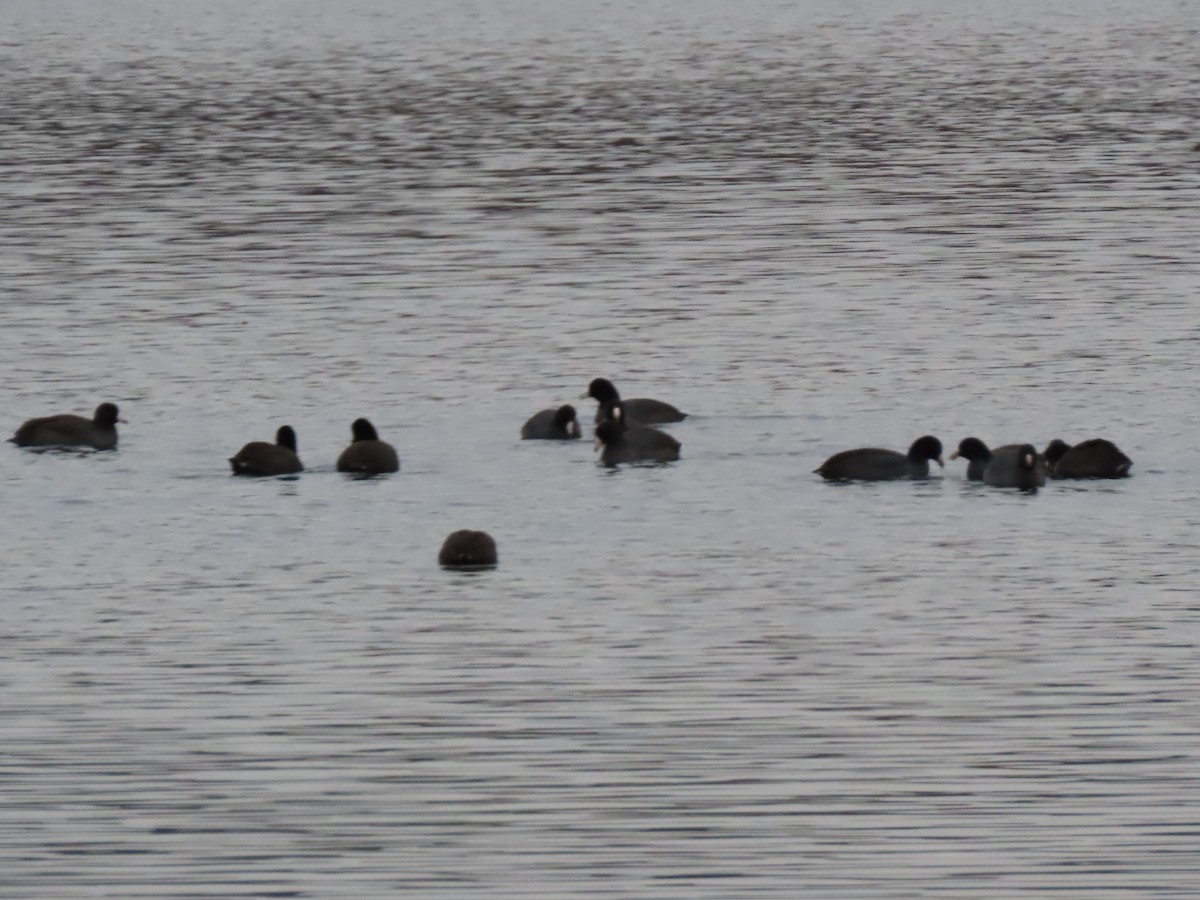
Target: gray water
813,226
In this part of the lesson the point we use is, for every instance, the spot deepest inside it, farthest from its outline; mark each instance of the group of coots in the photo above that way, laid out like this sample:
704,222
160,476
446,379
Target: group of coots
1013,465
624,428
624,433
366,455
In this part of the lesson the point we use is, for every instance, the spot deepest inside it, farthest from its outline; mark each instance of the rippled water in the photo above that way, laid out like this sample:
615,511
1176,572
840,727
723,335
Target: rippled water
813,226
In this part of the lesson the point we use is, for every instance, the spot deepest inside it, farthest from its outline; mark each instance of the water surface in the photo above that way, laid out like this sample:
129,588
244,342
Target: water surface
813,226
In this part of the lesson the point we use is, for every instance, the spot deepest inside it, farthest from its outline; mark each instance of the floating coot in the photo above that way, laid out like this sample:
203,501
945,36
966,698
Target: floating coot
468,549
367,454
977,455
66,430
1095,458
640,409
622,441
552,425
261,458
1016,466
874,464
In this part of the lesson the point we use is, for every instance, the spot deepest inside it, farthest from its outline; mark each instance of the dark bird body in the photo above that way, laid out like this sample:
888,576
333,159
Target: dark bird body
263,459
66,430
979,457
622,441
1095,458
875,464
640,409
367,454
468,549
552,425
1016,466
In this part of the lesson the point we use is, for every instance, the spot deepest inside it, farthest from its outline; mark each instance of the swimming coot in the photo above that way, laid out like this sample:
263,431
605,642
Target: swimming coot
368,455
978,456
1015,465
552,425
622,441
976,453
874,464
66,430
468,549
640,409
1095,458
261,458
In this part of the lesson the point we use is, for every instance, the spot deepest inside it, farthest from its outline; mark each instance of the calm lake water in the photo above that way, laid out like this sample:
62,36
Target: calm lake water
813,226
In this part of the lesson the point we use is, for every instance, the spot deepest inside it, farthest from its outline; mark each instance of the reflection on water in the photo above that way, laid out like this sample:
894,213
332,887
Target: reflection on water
813,228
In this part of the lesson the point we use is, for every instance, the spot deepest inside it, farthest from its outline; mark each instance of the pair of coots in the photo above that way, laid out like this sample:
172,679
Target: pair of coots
624,432
623,427
366,455
1009,466
1094,458
622,440
67,430
1013,465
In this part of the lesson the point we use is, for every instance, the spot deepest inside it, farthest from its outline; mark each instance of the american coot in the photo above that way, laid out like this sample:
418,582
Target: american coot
1015,465
978,456
976,453
552,425
261,458
66,430
1095,458
622,441
873,464
368,455
468,550
641,409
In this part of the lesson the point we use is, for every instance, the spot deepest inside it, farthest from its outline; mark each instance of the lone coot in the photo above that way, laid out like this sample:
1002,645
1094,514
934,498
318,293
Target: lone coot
261,458
621,441
468,549
552,425
874,464
641,409
1095,458
368,455
66,430
1017,466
